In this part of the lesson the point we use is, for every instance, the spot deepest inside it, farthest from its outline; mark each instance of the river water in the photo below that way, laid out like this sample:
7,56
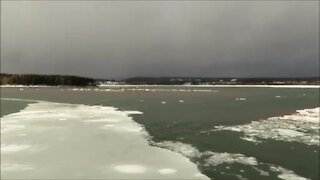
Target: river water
160,133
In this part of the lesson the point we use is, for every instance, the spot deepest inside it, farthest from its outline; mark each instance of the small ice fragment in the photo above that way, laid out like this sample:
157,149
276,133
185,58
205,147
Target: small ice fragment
241,99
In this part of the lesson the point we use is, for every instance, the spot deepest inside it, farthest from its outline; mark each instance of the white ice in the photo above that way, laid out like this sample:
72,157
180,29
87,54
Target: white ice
167,171
130,169
84,142
11,148
302,126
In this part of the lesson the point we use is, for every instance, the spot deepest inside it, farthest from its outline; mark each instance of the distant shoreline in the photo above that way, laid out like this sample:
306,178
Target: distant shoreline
195,86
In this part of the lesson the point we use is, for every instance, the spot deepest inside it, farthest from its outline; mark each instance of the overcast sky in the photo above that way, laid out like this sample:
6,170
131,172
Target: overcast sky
108,39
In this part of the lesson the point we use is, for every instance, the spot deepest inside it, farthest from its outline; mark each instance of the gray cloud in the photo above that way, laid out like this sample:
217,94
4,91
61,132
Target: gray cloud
108,39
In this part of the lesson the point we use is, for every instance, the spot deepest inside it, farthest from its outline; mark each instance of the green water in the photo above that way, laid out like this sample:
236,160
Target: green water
190,121
9,106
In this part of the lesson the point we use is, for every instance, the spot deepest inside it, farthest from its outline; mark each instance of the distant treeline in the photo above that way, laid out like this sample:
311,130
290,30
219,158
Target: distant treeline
51,80
220,81
62,80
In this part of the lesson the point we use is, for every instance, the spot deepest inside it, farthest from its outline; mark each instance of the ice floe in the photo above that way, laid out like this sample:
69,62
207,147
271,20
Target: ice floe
220,158
286,174
140,89
261,172
302,126
97,142
212,159
241,99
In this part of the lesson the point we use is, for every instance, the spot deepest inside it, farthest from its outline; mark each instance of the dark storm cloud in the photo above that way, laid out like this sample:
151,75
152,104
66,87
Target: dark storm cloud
119,39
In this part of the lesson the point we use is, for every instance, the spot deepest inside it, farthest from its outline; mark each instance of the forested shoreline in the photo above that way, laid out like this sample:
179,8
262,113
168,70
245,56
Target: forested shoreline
50,80
66,80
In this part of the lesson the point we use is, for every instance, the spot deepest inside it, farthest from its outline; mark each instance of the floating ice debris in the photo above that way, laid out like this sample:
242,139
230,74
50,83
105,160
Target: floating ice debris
250,139
277,96
216,158
181,101
220,158
185,149
167,171
241,99
21,89
163,102
143,90
131,169
289,133
239,176
202,90
286,174
302,127
306,115
262,172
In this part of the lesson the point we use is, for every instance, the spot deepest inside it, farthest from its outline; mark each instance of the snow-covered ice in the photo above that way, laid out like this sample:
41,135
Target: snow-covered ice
70,141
